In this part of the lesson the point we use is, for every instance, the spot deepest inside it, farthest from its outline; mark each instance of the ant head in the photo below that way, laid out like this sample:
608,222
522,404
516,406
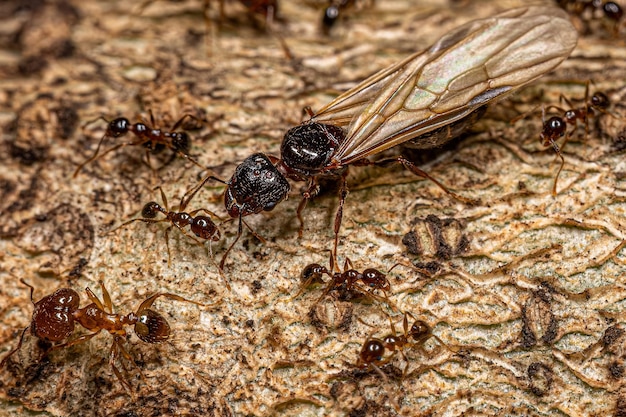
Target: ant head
600,101
308,148
553,128
181,142
150,210
204,228
118,127
371,352
151,327
331,14
52,318
255,186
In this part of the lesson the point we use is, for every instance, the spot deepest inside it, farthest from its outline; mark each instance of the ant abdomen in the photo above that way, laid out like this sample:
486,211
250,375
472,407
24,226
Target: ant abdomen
52,318
151,327
118,127
372,352
204,228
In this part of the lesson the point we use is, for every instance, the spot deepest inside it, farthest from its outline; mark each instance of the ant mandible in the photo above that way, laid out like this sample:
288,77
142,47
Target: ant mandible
55,316
152,138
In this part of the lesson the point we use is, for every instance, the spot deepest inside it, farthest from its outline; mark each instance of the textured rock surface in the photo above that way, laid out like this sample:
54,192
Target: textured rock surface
526,289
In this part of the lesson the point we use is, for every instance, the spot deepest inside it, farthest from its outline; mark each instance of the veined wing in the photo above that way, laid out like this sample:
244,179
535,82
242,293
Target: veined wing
471,66
345,107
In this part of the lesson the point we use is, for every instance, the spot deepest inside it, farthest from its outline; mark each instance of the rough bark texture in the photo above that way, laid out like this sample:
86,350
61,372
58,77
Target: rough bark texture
524,290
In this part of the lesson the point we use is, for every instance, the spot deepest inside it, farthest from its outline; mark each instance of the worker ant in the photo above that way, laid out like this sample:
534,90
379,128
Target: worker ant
555,127
584,9
201,226
349,284
56,315
335,10
376,352
148,136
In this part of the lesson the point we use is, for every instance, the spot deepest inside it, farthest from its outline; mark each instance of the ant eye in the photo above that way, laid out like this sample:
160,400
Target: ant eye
152,327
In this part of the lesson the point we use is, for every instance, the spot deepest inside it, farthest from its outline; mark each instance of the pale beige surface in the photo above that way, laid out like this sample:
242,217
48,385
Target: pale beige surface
260,353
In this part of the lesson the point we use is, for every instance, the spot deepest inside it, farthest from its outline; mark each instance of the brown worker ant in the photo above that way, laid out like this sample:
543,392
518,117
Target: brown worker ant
589,9
148,136
201,226
409,103
555,127
349,284
376,352
56,315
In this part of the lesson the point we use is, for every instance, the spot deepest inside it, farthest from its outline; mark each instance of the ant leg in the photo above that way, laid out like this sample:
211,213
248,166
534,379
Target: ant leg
32,289
343,193
205,211
19,345
78,340
524,115
147,303
96,156
416,171
311,192
135,220
94,299
190,194
167,246
182,119
239,232
254,233
114,354
555,146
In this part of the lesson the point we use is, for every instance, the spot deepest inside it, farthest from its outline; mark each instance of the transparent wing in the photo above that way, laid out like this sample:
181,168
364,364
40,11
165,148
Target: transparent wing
471,66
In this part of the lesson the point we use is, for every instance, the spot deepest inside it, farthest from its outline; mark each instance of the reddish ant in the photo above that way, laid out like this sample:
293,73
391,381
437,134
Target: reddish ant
374,350
609,9
152,138
55,316
349,284
201,226
556,126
